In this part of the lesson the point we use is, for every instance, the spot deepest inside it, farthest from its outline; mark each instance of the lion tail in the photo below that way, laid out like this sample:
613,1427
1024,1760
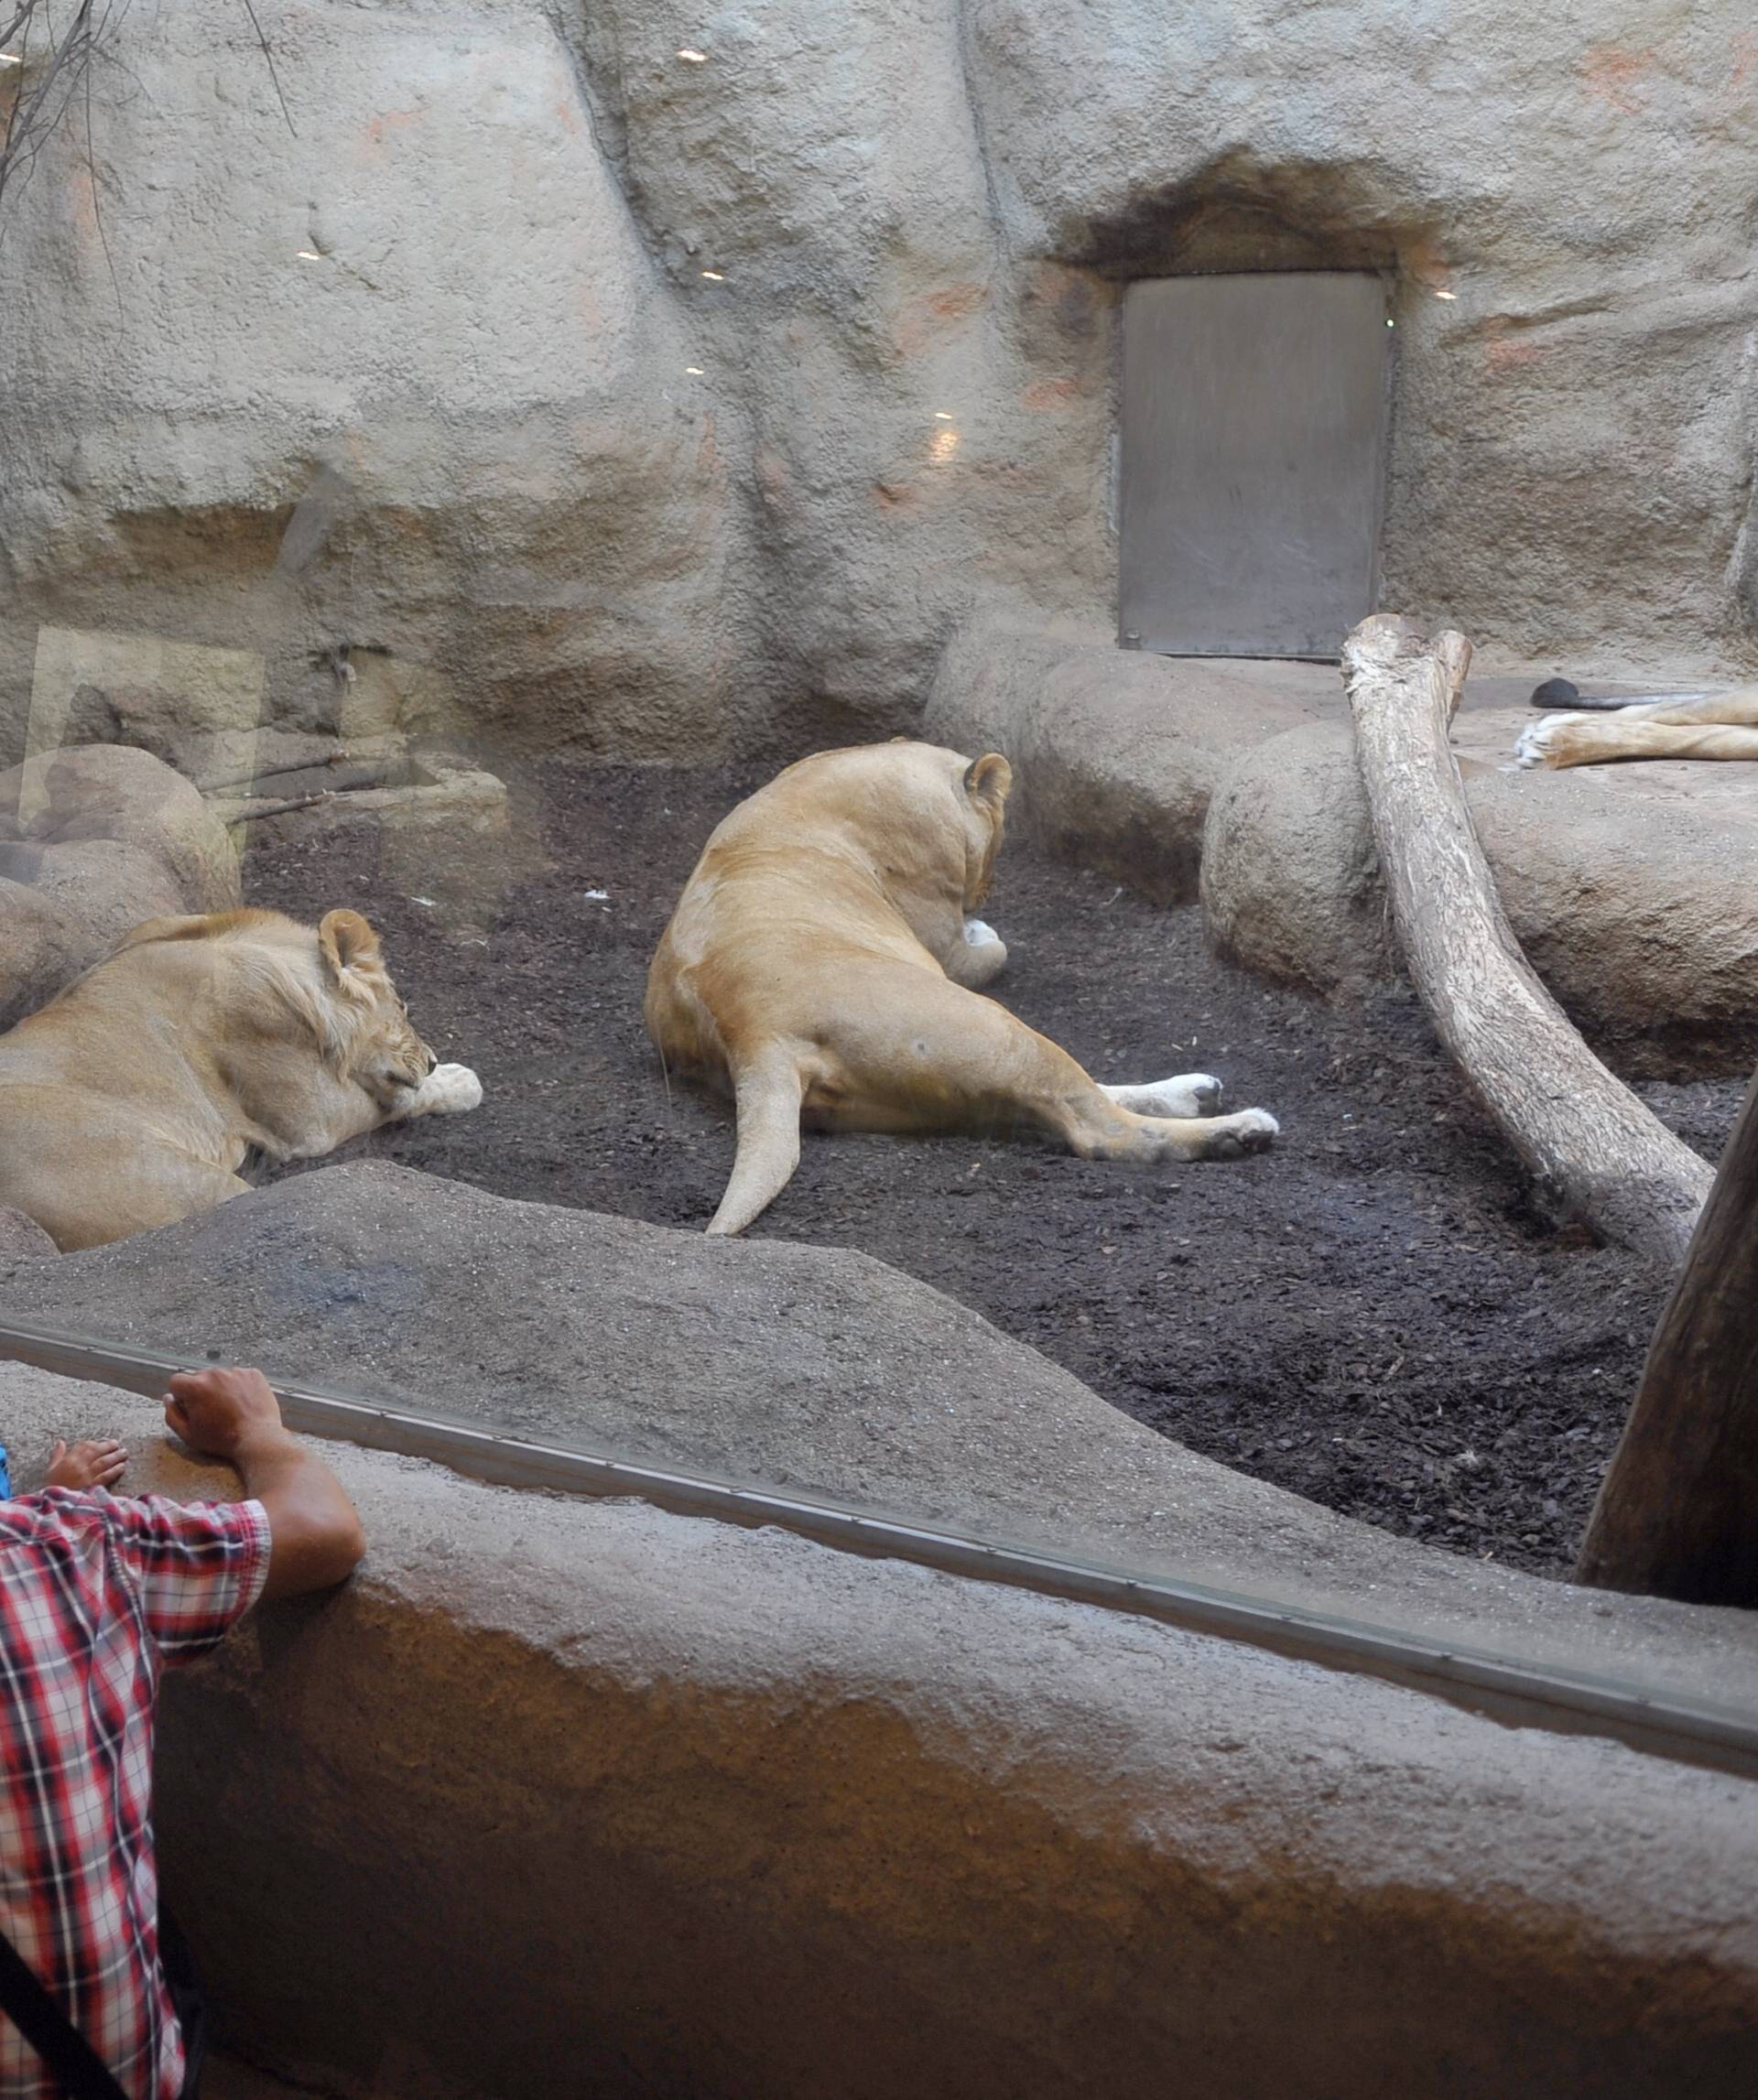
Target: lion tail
768,1092
1560,695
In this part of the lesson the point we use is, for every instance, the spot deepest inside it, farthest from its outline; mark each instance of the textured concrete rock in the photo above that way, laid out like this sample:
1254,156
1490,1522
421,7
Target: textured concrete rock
1633,889
790,1366
662,409
689,1809
1116,754
20,1235
400,385
1316,915
92,841
1573,405
929,408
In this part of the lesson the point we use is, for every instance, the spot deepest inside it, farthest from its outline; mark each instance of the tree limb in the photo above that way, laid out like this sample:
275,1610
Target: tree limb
1595,1151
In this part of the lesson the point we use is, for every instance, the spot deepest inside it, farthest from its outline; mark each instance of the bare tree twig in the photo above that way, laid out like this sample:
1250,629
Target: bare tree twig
268,59
92,172
55,63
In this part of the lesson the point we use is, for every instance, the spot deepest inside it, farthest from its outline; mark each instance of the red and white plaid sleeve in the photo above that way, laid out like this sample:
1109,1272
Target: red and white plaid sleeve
197,1567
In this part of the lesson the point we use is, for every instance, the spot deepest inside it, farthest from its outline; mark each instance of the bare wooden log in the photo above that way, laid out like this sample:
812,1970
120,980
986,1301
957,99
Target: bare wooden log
1677,1510
1595,1152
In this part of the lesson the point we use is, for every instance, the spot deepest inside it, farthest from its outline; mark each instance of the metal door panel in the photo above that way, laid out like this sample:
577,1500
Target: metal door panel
1253,461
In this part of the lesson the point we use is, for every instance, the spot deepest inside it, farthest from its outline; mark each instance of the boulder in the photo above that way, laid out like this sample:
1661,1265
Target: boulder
93,840
1116,754
23,1236
1290,880
1633,889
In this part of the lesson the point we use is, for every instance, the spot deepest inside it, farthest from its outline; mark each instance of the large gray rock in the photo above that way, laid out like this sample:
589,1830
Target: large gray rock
1633,889
1116,754
1315,915
791,1366
92,841
660,409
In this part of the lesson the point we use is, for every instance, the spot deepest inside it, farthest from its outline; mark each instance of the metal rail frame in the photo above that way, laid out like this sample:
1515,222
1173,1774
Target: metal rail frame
1516,1695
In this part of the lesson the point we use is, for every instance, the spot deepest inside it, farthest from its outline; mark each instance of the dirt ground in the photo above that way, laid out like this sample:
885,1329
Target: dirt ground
1369,1315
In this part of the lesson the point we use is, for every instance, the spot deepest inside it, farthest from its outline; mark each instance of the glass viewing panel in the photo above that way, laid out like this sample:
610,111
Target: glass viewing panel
429,520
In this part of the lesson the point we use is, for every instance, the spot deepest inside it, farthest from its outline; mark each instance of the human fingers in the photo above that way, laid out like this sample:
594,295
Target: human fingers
219,1409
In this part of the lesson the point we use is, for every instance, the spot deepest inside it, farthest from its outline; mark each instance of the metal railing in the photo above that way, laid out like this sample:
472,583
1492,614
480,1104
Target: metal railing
1519,1695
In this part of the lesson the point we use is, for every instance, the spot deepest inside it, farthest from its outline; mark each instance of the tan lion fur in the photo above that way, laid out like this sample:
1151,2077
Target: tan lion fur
818,963
1712,725
134,1098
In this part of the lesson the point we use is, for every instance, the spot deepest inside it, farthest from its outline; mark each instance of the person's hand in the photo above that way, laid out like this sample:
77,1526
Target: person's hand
95,1463
219,1412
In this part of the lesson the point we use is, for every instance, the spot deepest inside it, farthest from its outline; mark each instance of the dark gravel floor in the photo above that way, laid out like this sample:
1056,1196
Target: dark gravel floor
1369,1315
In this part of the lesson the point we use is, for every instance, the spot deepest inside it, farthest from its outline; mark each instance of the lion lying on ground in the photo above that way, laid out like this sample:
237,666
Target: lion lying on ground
820,962
134,1098
1686,725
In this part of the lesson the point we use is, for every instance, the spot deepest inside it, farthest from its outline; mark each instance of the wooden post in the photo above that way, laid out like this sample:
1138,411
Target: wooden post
1677,1512
1595,1151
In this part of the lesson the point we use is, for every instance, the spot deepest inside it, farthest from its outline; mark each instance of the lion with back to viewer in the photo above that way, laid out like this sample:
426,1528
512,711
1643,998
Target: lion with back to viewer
823,963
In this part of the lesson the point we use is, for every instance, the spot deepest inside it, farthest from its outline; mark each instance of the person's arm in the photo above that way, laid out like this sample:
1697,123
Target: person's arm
315,1534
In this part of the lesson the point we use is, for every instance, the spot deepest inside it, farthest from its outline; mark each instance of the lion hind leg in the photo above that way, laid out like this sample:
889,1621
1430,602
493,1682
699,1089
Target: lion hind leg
1735,709
767,1091
1562,740
1096,1127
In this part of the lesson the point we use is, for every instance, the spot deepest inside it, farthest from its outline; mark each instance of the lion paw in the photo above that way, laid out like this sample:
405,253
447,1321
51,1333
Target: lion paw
448,1091
1251,1131
1543,743
980,957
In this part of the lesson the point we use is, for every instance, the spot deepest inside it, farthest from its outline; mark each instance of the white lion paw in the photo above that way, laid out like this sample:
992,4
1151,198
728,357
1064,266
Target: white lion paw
448,1091
1538,740
1250,1130
1186,1095
979,958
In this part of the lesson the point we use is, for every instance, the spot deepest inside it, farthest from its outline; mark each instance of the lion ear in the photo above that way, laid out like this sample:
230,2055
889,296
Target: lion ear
989,778
347,941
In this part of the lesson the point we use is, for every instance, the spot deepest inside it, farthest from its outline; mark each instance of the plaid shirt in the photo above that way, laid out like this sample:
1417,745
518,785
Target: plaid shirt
95,1591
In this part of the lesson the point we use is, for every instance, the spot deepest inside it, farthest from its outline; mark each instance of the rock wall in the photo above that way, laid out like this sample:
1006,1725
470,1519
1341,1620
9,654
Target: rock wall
604,398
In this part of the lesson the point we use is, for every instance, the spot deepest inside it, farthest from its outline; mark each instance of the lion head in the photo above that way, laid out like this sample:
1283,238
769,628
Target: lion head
364,1028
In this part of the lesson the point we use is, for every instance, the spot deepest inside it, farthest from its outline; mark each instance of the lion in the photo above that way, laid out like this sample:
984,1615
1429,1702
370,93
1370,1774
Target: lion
822,963
135,1097
1679,725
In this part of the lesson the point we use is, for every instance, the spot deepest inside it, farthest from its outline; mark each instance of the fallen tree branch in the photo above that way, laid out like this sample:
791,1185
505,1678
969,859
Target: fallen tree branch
254,812
1595,1151
1677,1512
